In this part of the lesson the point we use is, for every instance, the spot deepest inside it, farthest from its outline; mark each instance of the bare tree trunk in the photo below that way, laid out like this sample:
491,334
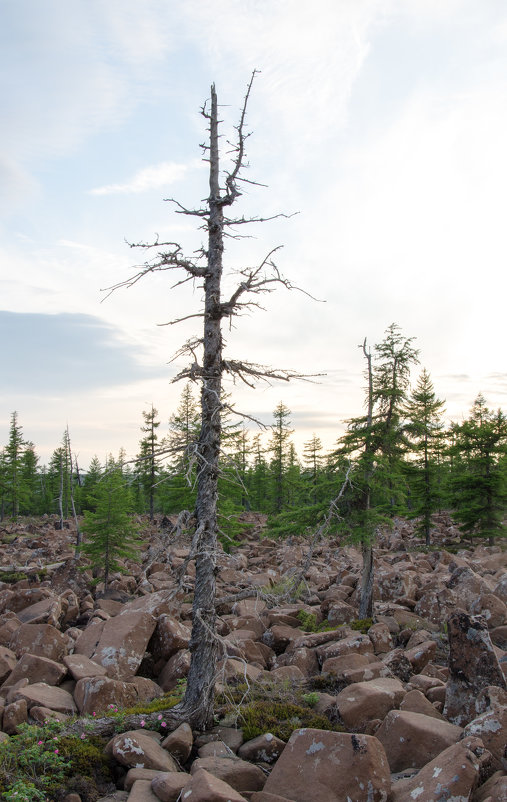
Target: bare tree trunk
203,645
73,505
60,495
366,594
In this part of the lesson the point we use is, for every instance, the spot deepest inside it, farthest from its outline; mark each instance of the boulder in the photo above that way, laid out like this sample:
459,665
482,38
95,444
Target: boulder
206,787
364,701
179,743
39,639
8,660
169,637
330,767
412,739
35,668
141,792
80,667
139,749
96,694
175,669
266,748
44,695
491,728
167,786
239,774
473,665
123,643
453,774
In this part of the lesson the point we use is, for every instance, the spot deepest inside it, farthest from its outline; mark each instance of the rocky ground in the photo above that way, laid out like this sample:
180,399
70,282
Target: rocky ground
409,706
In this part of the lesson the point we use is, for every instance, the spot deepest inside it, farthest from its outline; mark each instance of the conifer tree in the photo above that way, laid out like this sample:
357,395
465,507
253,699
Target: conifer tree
479,479
147,467
424,429
111,534
179,489
279,446
13,467
313,459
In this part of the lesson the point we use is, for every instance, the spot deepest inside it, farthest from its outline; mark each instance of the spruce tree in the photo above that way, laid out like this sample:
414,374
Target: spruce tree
111,534
479,479
424,429
279,446
147,466
13,468
179,489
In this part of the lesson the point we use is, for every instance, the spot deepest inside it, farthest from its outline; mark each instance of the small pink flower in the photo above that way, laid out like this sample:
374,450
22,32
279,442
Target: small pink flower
143,723
94,713
160,717
56,751
163,724
83,736
39,743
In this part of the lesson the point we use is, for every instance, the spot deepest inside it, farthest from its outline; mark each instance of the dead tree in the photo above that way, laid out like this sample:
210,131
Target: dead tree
208,365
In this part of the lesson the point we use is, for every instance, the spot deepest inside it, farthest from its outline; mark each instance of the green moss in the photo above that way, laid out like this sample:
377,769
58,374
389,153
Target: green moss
12,576
280,719
309,622
361,624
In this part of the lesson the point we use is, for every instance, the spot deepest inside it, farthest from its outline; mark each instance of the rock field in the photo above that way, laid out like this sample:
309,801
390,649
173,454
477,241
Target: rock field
416,700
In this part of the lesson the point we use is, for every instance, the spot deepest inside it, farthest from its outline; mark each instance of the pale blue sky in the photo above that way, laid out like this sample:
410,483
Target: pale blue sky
383,122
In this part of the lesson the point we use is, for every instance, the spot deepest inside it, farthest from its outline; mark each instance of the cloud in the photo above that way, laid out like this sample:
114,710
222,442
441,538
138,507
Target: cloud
158,175
59,355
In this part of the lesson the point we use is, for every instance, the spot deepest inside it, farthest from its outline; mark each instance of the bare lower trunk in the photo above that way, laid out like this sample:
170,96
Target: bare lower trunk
199,697
366,597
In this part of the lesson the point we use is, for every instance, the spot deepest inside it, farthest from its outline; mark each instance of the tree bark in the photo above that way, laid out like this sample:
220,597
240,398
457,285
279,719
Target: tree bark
199,697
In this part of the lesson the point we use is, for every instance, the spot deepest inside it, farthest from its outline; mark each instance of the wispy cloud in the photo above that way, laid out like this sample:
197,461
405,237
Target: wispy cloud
157,175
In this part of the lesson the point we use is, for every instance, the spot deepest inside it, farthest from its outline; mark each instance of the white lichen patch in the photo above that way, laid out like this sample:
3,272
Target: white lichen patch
437,771
417,792
315,747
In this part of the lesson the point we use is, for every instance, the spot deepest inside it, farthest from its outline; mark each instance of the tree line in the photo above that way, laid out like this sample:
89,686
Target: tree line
399,458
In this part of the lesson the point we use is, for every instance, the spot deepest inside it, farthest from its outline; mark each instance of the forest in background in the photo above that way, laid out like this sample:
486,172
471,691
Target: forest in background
396,458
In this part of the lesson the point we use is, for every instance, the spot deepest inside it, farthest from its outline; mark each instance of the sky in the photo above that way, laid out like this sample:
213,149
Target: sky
381,123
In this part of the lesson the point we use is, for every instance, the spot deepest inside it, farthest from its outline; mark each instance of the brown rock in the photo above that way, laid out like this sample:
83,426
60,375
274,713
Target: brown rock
175,669
366,673
420,655
346,662
381,638
416,702
179,743
35,668
169,785
494,789
7,662
80,666
205,787
169,637
87,642
411,740
141,792
491,728
137,749
357,644
39,639
398,664
44,695
95,694
239,774
143,774
363,701
340,613
123,643
266,748
473,665
15,714
453,774
330,767
279,636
